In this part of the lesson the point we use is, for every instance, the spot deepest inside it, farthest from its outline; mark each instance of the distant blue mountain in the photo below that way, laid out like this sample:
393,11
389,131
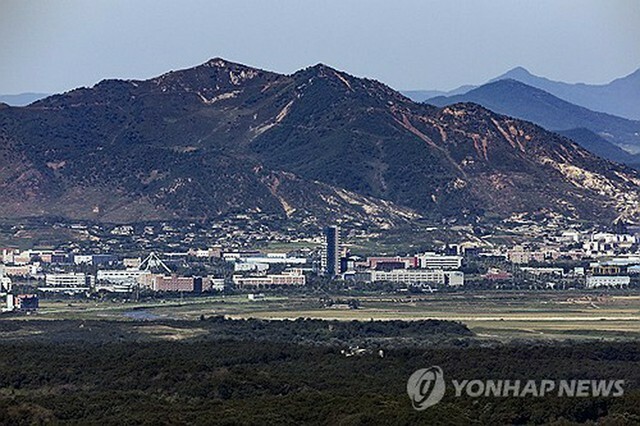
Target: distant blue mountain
620,97
22,99
516,99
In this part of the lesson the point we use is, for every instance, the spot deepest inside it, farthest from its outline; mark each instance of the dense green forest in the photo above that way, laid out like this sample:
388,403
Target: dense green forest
118,373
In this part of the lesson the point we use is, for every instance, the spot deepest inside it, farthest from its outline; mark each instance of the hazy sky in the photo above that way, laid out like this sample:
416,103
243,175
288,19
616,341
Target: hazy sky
53,46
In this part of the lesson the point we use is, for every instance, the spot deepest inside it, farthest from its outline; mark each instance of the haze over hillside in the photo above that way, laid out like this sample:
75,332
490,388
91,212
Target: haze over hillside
21,99
224,138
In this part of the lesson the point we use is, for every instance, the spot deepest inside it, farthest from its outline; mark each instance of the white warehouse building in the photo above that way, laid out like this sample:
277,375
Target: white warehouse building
420,276
121,276
594,281
71,282
273,258
69,279
430,260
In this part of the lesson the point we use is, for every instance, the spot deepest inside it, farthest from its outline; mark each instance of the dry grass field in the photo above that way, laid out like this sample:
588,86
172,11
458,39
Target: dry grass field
496,315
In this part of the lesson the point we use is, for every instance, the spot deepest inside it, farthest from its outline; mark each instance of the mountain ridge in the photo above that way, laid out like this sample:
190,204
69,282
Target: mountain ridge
601,147
319,143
